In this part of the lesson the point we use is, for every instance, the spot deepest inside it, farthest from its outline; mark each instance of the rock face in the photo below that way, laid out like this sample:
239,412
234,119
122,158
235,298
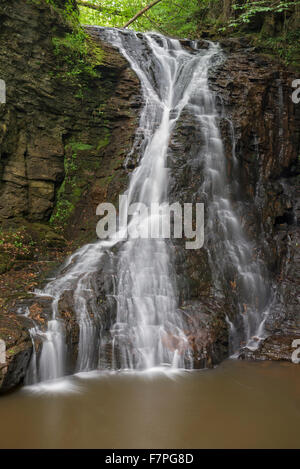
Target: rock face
256,96
16,347
55,135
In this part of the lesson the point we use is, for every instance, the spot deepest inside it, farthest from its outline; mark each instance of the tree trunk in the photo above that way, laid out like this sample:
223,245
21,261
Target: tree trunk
227,9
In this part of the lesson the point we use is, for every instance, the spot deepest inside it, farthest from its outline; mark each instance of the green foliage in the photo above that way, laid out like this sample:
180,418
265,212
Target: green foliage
249,10
104,141
275,24
69,192
178,18
287,46
74,42
15,244
77,54
75,146
77,51
189,18
63,210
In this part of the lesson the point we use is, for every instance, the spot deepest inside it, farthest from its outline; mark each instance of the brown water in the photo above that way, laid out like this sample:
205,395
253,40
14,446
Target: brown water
236,405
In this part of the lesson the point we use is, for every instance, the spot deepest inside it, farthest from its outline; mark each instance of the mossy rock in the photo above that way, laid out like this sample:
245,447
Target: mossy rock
47,235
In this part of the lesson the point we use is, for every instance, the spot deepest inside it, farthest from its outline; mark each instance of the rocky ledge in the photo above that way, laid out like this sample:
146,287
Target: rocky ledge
16,350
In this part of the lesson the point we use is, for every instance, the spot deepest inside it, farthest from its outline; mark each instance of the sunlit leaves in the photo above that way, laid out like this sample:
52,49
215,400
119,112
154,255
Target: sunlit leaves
250,9
174,17
180,17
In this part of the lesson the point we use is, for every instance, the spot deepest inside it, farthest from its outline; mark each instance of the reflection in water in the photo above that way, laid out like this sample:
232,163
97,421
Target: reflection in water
237,405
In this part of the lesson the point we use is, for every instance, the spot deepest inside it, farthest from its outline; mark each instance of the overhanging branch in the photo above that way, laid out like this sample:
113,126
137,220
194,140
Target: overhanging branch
141,12
100,8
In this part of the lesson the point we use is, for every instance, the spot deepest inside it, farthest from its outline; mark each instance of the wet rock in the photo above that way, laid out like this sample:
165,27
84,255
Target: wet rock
206,330
277,347
16,350
256,96
68,314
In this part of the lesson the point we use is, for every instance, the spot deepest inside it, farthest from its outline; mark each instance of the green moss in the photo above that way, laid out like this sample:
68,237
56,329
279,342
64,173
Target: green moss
77,192
104,141
75,146
286,46
12,351
64,209
105,181
78,56
72,51
95,52
71,188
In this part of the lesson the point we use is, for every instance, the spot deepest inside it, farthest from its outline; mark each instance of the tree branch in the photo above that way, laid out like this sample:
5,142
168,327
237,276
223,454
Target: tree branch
141,12
83,3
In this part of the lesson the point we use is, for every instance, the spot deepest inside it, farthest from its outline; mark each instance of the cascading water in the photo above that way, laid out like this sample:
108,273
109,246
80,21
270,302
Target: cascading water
148,330
233,257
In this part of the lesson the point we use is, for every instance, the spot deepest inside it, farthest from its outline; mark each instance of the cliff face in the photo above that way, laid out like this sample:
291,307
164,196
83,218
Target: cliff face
64,134
56,112
257,96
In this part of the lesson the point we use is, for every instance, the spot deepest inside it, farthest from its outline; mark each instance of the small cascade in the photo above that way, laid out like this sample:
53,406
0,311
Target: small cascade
77,278
233,258
31,375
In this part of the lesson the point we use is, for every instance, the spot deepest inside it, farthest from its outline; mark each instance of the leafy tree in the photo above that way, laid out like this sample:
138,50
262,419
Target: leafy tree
248,10
181,17
274,22
175,17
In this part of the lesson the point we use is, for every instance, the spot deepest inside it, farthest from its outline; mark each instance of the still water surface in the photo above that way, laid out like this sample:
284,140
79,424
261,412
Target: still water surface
236,405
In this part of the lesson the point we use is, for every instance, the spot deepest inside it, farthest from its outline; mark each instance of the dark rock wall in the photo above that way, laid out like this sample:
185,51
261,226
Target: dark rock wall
14,332
46,118
256,94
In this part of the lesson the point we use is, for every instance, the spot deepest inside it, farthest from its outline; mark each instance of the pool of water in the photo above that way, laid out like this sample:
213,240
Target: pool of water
236,405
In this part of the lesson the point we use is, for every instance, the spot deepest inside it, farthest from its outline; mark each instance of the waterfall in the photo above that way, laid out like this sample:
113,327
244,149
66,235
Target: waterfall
148,330
234,259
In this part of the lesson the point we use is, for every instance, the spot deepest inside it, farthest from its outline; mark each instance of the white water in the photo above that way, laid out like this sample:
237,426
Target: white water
234,262
148,331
